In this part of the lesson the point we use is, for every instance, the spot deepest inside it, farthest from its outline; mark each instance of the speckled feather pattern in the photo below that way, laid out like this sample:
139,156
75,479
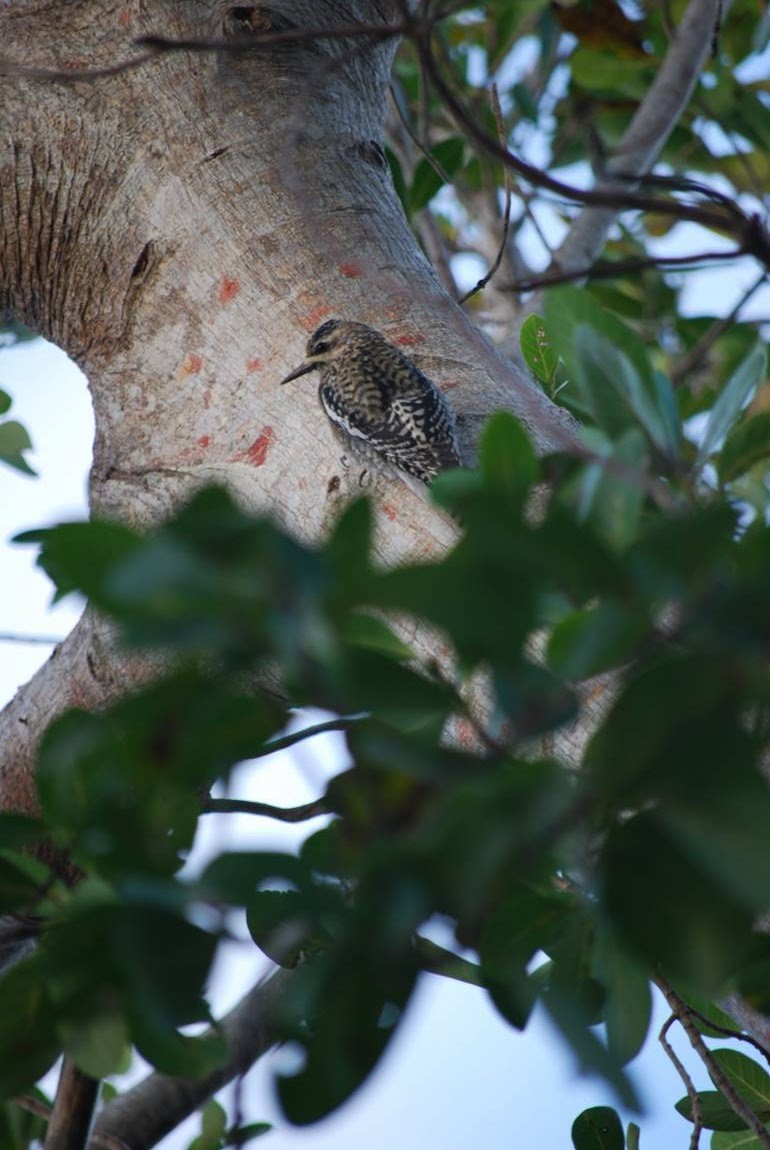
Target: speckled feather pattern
382,405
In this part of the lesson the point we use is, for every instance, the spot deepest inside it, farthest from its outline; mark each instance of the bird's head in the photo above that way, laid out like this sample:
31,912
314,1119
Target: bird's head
327,343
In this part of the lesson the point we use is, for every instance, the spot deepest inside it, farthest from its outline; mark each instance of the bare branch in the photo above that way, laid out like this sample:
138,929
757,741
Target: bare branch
718,1077
611,268
43,640
498,114
73,1111
699,351
692,1093
655,119
266,810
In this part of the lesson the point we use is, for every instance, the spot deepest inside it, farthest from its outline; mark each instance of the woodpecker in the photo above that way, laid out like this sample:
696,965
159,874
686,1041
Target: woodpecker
379,403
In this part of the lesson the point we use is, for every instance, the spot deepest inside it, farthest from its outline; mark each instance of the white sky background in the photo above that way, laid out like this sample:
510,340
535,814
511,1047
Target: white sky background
456,1074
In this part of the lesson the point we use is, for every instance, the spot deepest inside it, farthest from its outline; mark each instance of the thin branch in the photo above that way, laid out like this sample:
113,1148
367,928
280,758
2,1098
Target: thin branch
435,959
717,1075
421,147
748,230
43,640
692,1093
281,742
73,1109
655,118
699,351
731,1032
608,269
500,125
266,810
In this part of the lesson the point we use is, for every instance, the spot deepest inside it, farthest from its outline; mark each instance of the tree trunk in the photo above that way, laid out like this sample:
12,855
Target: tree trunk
179,228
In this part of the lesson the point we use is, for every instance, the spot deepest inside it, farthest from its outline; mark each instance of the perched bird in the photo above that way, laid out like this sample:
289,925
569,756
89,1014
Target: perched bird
379,403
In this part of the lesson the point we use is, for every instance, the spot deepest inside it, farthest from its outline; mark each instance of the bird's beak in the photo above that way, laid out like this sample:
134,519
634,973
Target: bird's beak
303,369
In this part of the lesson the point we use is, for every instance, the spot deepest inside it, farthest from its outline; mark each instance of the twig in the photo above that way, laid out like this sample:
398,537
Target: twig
282,742
692,1093
609,268
700,350
43,640
731,1032
717,1075
500,125
436,959
434,163
266,810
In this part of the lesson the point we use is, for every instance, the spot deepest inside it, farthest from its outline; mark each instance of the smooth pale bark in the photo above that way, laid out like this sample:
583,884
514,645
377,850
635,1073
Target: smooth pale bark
179,229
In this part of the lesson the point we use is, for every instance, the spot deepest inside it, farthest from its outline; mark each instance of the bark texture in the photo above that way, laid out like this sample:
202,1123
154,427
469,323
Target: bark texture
179,229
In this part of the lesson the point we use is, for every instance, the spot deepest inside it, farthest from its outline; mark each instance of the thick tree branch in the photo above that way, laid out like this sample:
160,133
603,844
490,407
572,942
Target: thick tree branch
655,119
146,1113
70,1122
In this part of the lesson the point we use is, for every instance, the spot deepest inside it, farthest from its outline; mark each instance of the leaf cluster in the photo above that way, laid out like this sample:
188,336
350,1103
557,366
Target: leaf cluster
569,889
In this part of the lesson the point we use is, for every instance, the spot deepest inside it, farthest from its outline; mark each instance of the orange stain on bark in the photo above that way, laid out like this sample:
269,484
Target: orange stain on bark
312,319
254,365
258,452
228,289
125,16
351,270
389,511
204,440
409,340
191,365
207,398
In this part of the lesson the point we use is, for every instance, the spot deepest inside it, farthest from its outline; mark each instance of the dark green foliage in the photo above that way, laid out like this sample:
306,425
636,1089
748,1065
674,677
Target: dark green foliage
651,860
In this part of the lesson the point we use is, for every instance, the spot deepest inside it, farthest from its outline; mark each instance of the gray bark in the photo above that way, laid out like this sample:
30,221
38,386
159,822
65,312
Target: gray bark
179,229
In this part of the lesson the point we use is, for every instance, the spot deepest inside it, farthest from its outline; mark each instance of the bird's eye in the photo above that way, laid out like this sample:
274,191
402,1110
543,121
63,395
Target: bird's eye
320,348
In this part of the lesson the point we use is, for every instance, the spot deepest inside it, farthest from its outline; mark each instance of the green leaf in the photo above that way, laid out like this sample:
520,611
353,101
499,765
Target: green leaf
588,642
99,1045
506,457
77,556
239,1136
613,502
733,398
628,1005
598,1128
177,1054
19,830
28,1042
372,634
539,356
526,921
745,1140
632,1136
5,399
667,909
14,441
745,446
610,368
751,1081
426,180
213,1128
281,922
22,882
716,1113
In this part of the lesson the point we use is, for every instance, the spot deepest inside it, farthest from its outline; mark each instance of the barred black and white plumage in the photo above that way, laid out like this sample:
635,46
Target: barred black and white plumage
380,404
